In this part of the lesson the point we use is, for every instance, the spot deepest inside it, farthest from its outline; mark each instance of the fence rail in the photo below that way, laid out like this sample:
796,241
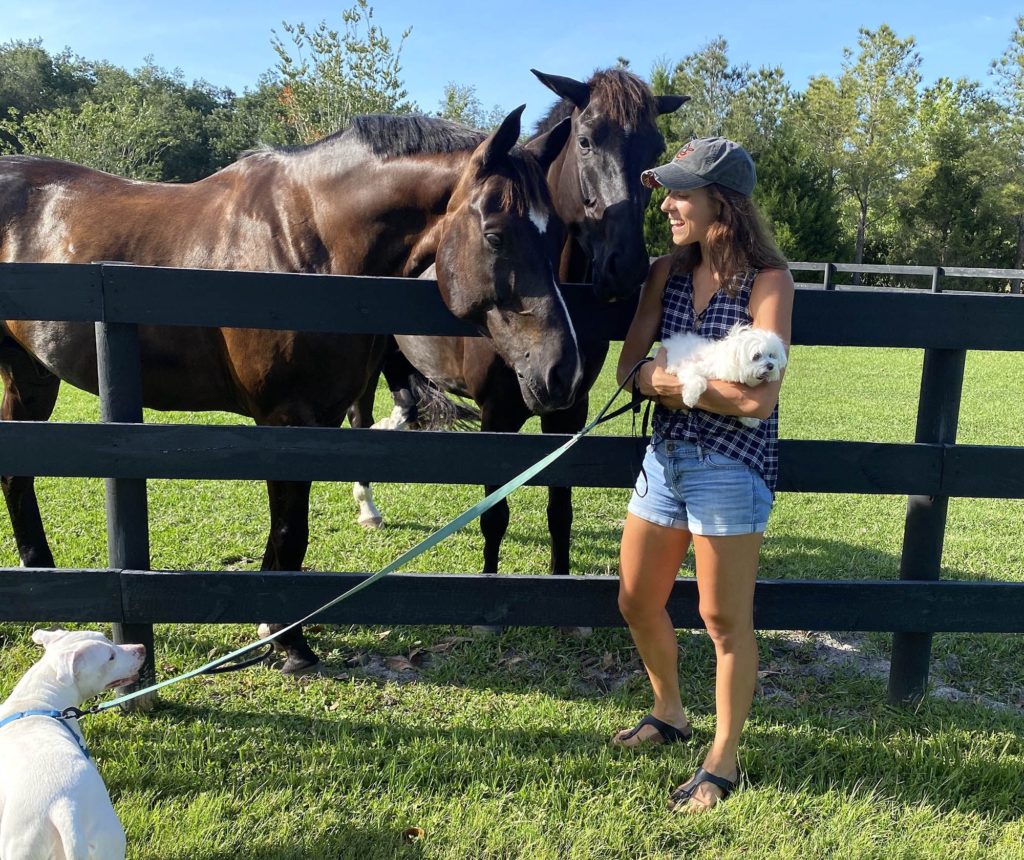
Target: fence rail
119,299
935,273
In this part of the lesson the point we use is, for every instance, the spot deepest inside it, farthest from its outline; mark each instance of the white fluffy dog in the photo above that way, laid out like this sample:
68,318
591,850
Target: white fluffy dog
747,355
53,804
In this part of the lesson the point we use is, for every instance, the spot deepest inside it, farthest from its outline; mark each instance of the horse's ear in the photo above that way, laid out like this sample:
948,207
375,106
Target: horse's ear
547,146
575,91
670,104
497,146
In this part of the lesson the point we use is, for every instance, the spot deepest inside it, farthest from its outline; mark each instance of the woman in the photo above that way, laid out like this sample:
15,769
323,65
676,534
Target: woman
707,480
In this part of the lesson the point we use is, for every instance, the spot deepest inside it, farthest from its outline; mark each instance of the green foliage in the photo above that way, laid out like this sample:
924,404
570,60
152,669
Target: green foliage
868,113
461,104
954,212
329,76
123,135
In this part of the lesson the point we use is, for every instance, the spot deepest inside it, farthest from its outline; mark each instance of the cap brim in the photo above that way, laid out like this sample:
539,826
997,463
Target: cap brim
673,177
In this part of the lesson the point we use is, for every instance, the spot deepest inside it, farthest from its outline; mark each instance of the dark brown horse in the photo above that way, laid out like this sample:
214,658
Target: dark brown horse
388,196
595,184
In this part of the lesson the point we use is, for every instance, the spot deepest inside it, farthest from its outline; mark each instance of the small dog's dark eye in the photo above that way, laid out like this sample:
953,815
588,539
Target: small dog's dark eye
757,356
111,660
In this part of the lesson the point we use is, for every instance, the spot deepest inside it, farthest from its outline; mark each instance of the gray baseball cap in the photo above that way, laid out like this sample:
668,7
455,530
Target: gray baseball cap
703,161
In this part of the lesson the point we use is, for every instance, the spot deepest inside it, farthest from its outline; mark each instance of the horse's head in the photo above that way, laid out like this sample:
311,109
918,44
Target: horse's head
596,185
495,263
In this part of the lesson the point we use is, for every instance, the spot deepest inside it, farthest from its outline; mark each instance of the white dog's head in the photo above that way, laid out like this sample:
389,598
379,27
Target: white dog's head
89,661
758,355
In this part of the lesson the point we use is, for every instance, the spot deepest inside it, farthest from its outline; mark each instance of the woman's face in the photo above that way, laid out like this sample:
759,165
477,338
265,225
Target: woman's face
690,214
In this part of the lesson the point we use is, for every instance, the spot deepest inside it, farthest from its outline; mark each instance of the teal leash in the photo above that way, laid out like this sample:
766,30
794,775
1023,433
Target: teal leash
425,544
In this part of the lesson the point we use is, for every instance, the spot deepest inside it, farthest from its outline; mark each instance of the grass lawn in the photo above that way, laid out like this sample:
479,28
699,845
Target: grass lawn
497,747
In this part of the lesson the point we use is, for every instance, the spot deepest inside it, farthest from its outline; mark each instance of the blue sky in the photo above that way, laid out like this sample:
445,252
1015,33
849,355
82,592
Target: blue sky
493,45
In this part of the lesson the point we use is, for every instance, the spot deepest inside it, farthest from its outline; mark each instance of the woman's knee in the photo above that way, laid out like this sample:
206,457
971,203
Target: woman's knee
727,627
638,609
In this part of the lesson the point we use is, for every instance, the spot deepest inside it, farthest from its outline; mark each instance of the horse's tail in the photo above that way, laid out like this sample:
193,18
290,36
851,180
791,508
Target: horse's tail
436,410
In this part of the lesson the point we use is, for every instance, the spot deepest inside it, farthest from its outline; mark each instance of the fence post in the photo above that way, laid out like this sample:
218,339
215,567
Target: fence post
828,282
120,384
937,274
938,411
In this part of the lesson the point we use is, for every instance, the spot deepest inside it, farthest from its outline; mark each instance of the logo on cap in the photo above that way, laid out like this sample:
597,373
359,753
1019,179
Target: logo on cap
685,151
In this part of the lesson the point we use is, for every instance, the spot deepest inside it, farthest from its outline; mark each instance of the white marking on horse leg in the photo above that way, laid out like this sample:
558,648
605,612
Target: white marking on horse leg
539,217
369,516
397,420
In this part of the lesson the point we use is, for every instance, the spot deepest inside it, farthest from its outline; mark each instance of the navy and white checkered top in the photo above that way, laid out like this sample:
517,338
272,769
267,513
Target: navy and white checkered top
758,447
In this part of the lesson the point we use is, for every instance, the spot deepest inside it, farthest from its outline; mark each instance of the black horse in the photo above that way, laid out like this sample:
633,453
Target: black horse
596,188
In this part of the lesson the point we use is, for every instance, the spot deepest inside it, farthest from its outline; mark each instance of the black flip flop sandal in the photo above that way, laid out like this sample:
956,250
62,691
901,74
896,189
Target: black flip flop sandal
669,733
679,797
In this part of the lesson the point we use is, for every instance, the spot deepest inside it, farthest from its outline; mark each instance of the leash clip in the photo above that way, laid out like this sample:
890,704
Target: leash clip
77,713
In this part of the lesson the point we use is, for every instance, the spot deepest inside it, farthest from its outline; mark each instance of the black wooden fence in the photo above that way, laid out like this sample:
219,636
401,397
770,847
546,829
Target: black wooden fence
117,298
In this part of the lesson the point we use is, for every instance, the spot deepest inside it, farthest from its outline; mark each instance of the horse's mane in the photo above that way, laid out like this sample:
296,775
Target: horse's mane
395,136
391,136
624,99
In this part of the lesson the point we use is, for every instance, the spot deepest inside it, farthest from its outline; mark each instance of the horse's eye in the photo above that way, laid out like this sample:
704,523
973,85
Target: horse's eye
584,143
493,239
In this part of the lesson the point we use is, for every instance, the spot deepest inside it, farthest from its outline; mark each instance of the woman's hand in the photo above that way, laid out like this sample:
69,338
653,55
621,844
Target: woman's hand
660,385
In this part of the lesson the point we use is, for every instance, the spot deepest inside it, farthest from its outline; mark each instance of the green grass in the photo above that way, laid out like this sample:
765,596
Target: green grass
497,748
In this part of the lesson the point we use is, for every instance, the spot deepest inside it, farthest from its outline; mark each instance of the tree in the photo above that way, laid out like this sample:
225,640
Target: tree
31,81
1009,73
953,216
334,75
461,104
712,84
861,124
123,135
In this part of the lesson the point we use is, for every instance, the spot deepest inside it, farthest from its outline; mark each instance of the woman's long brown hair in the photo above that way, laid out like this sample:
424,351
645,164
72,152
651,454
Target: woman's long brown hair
738,240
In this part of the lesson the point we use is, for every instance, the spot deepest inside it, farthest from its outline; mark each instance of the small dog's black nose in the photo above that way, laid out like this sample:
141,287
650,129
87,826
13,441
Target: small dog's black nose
769,366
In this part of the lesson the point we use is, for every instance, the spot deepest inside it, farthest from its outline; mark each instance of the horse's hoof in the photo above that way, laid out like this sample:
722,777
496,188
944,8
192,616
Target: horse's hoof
487,630
296,666
373,523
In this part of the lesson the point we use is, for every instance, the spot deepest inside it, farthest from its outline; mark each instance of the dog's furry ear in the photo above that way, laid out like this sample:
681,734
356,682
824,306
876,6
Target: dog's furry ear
47,637
72,660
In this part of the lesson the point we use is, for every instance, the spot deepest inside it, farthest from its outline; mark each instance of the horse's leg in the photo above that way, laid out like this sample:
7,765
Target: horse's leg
568,421
498,416
286,548
30,392
397,372
360,416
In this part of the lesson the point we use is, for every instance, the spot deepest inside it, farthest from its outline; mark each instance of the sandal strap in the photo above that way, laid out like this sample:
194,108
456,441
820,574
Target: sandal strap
684,792
669,733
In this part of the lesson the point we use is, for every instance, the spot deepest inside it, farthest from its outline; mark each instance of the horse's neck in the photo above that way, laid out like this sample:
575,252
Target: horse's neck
395,231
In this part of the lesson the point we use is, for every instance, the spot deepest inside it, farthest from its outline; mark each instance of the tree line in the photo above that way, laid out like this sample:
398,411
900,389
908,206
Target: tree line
871,165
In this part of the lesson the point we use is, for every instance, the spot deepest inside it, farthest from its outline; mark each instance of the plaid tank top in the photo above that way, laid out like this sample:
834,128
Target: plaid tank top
757,447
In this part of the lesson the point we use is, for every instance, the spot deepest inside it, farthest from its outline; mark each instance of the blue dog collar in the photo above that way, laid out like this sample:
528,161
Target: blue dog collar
56,715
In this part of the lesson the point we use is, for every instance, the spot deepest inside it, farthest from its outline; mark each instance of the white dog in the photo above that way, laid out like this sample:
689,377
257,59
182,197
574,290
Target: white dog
53,804
747,355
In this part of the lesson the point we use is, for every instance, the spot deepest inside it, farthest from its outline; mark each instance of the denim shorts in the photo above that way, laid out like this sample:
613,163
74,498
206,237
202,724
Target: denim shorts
689,487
